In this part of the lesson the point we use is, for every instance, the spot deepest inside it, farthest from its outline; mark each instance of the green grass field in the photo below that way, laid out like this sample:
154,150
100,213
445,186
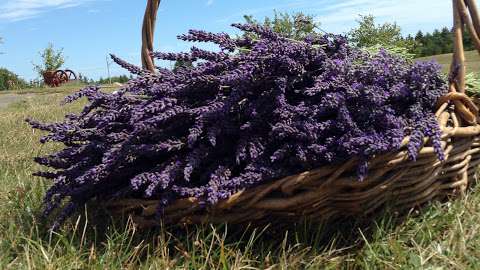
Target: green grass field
472,61
442,236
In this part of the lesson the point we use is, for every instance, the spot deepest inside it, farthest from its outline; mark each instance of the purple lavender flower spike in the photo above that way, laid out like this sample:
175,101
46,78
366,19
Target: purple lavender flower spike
261,108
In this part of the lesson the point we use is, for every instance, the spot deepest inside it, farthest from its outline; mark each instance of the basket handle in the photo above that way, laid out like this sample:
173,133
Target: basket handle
465,14
148,32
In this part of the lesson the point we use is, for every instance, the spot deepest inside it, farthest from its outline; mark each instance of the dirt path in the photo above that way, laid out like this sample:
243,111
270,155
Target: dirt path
7,99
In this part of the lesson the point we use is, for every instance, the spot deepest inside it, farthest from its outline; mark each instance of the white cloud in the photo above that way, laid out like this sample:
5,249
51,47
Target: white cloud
285,5
210,2
339,16
409,14
17,10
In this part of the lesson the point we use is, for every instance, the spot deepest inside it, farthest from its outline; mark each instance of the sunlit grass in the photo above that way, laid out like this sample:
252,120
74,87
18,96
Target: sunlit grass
472,61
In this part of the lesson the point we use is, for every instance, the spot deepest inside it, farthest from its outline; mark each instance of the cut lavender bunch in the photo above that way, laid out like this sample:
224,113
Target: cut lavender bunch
256,111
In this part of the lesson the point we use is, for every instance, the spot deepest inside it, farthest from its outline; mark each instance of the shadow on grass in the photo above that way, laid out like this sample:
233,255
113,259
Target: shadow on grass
299,245
95,239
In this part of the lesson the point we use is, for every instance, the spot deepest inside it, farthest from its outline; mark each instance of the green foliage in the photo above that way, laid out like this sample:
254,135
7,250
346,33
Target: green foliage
439,42
181,63
368,34
114,79
10,80
52,59
467,41
82,78
396,50
295,26
372,37
472,84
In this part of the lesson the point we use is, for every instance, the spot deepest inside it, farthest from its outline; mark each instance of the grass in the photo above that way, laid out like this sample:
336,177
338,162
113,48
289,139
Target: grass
64,89
443,236
472,61
69,87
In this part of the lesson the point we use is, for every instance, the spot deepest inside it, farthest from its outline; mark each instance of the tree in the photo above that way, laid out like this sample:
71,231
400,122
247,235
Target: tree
429,45
440,41
468,41
419,43
52,60
446,38
10,80
369,34
372,37
419,36
296,26
436,42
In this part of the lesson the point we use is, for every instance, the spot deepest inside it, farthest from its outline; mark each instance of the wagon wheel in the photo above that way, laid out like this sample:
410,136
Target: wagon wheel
71,75
61,76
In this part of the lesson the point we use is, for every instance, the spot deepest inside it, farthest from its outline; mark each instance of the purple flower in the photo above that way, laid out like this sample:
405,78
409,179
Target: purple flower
258,110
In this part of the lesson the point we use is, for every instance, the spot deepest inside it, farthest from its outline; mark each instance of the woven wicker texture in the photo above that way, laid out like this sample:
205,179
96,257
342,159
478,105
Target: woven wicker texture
333,192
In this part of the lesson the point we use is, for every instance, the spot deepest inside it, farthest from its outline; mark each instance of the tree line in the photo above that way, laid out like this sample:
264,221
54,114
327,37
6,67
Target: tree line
115,79
440,41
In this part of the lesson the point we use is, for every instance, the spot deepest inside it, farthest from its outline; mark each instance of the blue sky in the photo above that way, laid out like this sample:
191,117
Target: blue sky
88,30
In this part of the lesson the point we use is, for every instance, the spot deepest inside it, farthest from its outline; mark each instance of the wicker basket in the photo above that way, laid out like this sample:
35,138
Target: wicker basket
332,192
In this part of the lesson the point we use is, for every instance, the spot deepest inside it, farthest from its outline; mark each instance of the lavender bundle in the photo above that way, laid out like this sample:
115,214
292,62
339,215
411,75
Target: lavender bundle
262,108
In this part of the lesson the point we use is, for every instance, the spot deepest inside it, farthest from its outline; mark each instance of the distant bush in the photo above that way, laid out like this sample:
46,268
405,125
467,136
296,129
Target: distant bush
114,79
10,80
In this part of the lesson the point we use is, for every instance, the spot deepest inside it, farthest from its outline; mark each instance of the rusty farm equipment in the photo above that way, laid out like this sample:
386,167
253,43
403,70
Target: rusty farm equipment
58,77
